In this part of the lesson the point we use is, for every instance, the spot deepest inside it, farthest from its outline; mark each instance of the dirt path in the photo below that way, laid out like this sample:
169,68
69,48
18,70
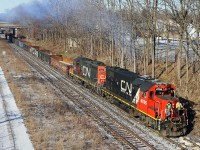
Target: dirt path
50,122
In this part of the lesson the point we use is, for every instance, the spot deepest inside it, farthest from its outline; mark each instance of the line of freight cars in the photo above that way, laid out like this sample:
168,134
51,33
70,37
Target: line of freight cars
153,101
63,64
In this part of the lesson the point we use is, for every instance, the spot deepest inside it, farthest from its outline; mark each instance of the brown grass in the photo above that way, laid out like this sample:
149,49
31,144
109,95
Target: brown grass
51,123
59,145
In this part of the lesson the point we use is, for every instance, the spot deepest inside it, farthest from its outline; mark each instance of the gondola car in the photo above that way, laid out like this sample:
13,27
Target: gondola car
34,50
45,55
55,61
61,63
21,44
27,46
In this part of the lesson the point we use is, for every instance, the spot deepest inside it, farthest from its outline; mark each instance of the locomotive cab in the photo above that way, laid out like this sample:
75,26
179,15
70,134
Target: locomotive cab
157,101
172,115
165,96
77,63
90,73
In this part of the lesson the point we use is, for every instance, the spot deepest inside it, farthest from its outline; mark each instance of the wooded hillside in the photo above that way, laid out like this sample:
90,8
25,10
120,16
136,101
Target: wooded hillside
155,37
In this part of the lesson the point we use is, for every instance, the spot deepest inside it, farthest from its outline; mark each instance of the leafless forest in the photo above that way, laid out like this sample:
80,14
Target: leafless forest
155,37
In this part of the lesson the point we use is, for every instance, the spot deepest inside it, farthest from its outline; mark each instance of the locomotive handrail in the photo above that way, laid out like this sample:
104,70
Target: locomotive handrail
158,107
123,101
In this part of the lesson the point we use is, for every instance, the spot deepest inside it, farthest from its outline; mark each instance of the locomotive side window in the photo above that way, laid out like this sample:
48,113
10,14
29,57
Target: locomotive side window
77,63
144,94
151,94
173,93
169,92
101,70
159,92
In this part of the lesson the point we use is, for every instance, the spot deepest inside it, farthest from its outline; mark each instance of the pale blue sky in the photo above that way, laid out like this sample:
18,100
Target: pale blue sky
9,4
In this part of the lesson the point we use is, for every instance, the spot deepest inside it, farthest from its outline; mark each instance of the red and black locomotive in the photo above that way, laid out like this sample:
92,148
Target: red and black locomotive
90,72
151,100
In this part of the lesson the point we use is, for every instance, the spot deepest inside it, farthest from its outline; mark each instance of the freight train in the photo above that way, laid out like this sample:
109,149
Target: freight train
152,101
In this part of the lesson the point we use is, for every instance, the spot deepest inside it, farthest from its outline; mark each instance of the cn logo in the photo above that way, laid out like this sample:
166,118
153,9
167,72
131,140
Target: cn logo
102,77
126,88
86,71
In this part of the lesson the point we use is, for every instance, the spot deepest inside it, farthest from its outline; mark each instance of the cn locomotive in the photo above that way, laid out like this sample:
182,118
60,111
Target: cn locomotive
152,101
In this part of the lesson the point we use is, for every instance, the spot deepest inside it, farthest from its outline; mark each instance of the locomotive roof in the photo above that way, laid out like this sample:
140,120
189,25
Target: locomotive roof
143,84
89,61
95,62
82,58
146,82
124,72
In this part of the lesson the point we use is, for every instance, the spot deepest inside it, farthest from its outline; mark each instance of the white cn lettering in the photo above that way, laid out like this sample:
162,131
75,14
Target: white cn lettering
86,71
102,77
125,86
143,101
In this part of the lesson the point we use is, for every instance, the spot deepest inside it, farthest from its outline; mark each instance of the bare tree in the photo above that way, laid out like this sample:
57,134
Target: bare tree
179,13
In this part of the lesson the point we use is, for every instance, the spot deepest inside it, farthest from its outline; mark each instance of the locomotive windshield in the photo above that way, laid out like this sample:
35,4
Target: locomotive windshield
169,92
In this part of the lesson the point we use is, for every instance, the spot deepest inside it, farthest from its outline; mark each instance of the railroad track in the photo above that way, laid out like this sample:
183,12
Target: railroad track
127,132
188,142
153,136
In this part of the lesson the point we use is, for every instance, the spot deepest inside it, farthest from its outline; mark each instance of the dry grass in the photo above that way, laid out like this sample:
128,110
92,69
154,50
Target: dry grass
17,93
59,145
31,123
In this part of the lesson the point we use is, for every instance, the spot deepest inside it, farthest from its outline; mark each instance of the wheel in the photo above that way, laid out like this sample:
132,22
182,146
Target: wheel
142,117
184,129
111,99
103,94
168,132
131,112
85,85
163,132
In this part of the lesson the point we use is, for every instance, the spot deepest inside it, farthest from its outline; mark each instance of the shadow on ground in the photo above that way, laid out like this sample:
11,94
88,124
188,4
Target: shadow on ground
190,112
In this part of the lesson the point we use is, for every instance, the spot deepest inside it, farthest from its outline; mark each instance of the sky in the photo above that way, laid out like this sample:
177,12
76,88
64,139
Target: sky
9,4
